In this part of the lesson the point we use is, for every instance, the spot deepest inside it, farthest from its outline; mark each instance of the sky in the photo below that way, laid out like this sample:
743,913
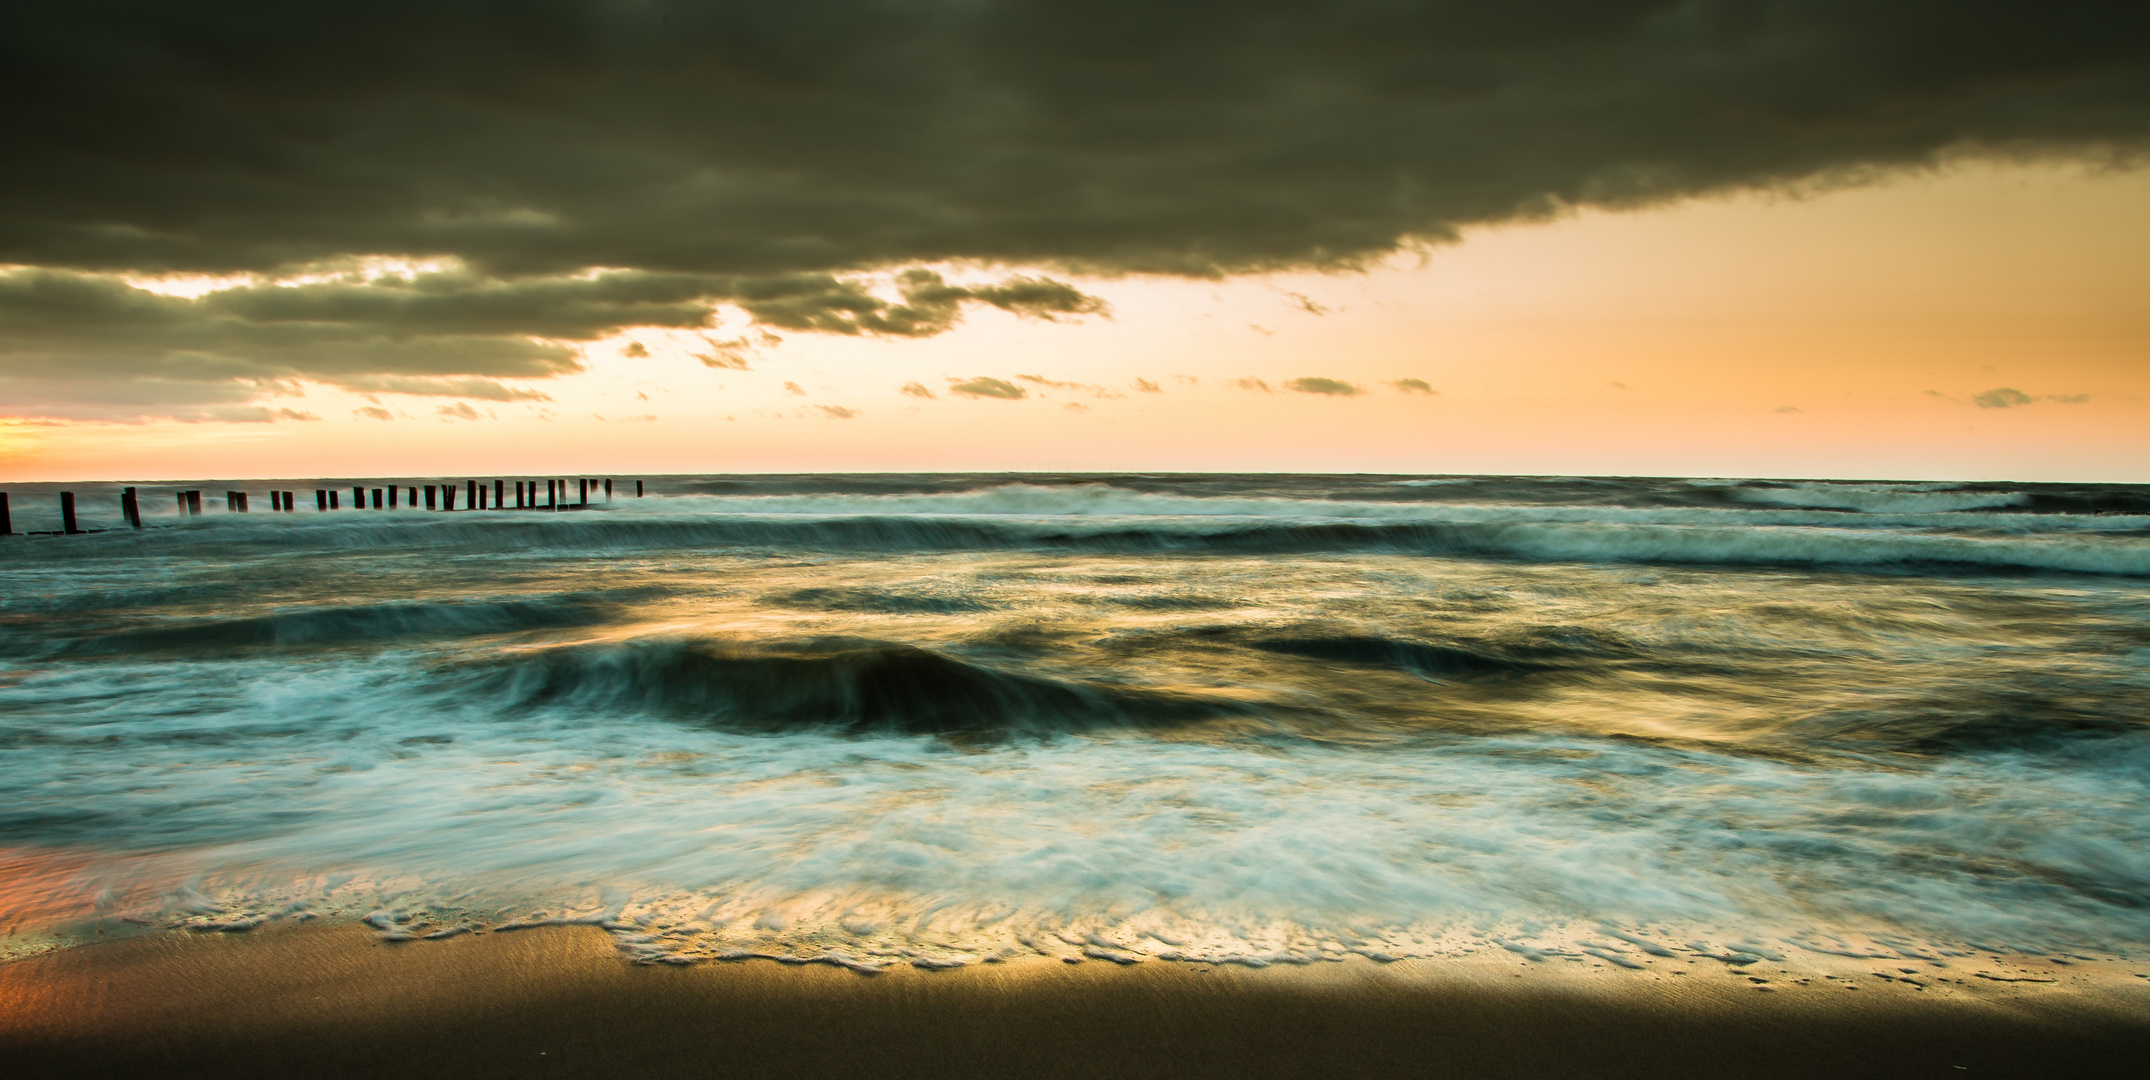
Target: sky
1887,240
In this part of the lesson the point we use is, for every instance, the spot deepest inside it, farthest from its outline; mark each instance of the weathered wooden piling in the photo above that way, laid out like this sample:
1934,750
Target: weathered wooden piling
470,494
498,490
552,494
7,521
638,489
582,491
429,496
447,496
67,513
320,499
608,489
192,500
334,499
130,507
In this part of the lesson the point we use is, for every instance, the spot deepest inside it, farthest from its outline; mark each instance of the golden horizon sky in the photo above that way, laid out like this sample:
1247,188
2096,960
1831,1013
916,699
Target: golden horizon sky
1981,321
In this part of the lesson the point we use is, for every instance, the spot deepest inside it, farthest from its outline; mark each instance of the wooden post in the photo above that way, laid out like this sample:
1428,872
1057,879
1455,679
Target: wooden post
638,489
608,489
7,521
67,513
194,503
470,492
130,507
447,496
320,499
582,491
552,495
334,503
497,493
287,502
518,494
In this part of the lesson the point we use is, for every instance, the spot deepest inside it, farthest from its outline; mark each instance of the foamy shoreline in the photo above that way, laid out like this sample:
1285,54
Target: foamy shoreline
331,998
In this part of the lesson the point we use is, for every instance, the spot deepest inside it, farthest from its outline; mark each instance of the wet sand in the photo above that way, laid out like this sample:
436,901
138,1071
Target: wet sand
333,1001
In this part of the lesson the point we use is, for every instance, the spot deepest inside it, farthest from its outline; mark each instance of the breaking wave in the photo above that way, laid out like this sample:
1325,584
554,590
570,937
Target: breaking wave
1882,498
1099,517
349,624
843,686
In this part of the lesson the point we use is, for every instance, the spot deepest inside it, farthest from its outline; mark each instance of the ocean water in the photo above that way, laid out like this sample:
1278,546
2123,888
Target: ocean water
942,719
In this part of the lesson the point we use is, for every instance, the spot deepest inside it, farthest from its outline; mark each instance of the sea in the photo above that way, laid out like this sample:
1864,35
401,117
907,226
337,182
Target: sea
937,720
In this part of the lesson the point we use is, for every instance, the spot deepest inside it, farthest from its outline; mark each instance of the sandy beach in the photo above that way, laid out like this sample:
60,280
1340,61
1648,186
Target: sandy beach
332,1000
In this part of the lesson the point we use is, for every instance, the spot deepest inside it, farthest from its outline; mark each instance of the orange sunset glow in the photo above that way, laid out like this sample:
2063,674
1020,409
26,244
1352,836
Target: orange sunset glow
1849,331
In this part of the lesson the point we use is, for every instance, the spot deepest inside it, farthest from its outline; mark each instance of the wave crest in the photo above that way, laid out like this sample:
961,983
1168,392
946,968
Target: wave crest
842,685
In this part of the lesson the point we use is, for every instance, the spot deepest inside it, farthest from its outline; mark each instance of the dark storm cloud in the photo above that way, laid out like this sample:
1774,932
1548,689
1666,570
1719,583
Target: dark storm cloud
768,154
824,303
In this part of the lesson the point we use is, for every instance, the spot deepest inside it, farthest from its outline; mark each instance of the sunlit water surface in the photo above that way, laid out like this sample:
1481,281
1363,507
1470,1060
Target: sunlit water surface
942,719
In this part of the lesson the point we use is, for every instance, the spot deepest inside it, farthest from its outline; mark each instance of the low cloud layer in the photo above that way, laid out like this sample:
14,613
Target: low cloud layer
2008,397
984,386
590,166
1328,387
96,339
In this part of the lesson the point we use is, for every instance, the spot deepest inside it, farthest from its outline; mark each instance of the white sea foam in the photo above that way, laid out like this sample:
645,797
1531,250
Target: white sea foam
1019,513
300,730
1882,498
801,845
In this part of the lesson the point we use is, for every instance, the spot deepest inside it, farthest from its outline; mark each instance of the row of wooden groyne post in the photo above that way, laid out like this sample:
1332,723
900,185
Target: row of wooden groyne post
477,495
